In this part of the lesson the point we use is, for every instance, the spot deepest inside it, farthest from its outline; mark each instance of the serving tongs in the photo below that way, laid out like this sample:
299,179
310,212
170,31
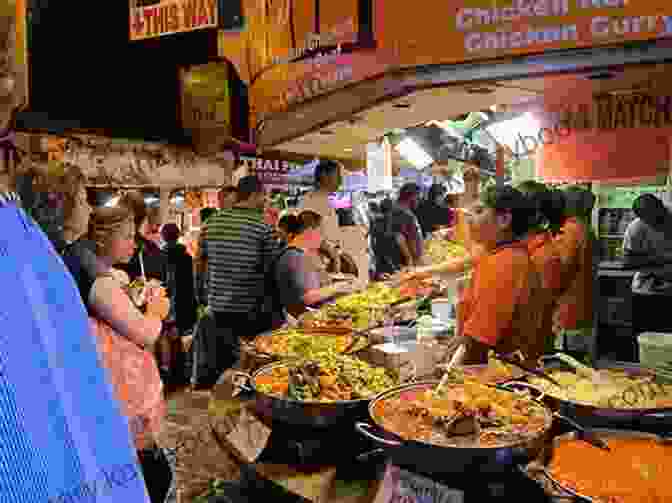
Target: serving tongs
522,366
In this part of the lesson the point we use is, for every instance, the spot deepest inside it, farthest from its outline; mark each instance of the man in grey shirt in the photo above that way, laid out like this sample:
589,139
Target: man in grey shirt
647,246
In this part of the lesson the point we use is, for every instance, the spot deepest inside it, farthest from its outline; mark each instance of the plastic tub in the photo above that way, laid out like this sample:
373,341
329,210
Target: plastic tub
655,350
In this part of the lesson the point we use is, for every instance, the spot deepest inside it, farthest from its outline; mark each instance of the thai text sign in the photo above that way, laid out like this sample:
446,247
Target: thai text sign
155,18
483,29
271,173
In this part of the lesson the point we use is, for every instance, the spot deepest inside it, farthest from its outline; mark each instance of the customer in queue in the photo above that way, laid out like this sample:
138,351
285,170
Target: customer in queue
297,281
124,335
227,197
52,442
238,250
433,213
327,181
147,261
501,308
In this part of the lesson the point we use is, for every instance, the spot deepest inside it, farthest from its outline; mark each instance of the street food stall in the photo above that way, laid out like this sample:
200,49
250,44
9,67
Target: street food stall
329,411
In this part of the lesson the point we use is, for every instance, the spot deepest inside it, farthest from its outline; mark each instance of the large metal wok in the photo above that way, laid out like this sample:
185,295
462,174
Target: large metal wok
538,469
605,416
435,459
298,412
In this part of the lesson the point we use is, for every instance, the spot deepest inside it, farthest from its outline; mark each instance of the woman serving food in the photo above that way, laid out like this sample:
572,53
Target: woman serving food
501,306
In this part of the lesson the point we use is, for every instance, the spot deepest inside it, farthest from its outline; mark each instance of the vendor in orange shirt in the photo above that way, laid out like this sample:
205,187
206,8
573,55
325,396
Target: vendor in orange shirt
549,213
574,243
501,307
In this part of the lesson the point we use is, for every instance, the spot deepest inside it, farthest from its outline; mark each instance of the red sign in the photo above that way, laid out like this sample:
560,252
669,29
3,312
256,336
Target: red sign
155,18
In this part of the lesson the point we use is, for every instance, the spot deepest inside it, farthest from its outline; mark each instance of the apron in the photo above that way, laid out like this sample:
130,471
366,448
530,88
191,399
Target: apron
527,319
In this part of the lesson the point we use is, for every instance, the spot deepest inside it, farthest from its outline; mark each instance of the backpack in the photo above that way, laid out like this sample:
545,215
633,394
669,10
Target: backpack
270,302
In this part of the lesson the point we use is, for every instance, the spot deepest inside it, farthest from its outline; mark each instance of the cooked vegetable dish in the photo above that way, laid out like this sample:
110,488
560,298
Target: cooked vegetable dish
327,378
613,389
296,343
634,471
472,414
360,310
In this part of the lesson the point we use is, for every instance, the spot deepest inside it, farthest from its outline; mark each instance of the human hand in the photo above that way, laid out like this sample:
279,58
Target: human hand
158,307
447,234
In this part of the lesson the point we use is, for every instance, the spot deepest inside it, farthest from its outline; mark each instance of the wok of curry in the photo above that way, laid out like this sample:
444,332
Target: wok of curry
636,470
469,415
327,377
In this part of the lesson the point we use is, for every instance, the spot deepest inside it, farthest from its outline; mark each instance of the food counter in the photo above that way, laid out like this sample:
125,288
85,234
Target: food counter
314,416
282,462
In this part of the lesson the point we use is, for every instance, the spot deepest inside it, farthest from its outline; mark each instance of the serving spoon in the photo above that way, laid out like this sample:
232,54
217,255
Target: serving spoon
456,359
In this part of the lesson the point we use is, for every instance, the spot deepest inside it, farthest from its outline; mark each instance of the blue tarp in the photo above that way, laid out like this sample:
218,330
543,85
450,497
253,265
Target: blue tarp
62,436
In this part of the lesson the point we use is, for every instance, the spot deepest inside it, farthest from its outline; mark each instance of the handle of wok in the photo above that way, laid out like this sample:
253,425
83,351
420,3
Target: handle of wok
512,385
242,380
364,428
561,487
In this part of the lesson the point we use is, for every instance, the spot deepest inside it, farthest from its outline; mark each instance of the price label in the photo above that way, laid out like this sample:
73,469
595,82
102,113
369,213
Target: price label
402,486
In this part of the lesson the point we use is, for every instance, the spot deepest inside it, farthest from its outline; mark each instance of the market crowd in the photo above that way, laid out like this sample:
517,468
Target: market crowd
528,250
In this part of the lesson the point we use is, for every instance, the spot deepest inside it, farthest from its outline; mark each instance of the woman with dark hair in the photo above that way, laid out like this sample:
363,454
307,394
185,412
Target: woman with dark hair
501,307
545,224
575,246
148,259
297,280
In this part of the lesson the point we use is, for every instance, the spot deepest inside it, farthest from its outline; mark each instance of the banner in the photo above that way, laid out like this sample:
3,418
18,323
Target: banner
454,31
155,18
290,53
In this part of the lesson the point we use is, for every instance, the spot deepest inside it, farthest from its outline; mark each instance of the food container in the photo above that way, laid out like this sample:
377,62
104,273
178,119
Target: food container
655,350
443,309
435,459
539,471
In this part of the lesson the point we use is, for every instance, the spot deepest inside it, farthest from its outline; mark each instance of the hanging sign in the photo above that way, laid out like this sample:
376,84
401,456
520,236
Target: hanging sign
271,173
206,105
156,18
293,51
